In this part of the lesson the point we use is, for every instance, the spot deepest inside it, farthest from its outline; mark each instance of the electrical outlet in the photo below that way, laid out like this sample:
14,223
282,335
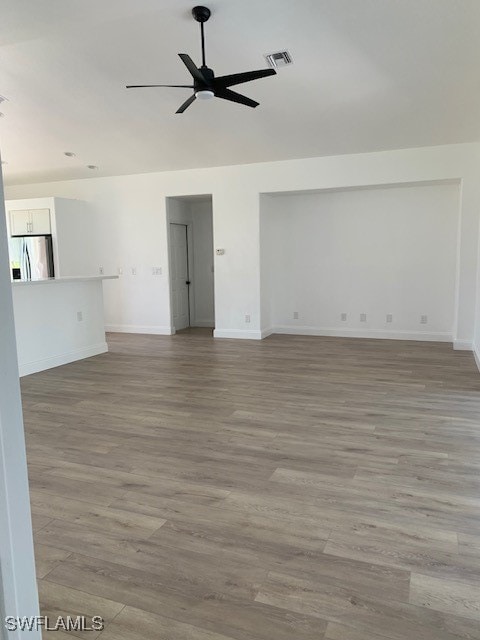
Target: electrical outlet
295,315
134,271
423,319
156,271
363,317
389,317
80,316
343,317
247,318
100,270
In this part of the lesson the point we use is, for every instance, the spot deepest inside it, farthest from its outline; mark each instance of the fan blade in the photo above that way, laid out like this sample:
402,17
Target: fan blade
233,96
186,104
144,86
189,63
239,78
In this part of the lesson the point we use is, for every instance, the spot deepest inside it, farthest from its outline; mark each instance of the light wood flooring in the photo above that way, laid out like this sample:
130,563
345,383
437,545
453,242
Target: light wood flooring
298,488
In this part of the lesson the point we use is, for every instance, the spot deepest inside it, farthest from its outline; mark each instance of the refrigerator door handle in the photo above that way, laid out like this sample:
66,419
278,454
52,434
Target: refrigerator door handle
29,264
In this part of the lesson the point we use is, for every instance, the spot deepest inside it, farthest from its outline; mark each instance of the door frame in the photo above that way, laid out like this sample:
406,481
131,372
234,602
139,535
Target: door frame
188,221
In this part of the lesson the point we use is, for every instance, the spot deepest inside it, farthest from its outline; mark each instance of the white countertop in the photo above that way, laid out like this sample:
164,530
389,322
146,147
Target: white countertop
60,280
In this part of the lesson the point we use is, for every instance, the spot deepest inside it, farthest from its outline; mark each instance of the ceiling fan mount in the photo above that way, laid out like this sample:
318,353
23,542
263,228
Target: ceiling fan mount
201,14
205,84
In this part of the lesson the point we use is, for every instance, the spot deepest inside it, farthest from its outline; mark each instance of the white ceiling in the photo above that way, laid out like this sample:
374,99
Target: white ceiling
367,75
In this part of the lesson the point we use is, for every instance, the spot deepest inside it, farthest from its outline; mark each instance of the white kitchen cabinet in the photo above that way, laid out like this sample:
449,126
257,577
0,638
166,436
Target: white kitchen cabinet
19,222
25,222
41,221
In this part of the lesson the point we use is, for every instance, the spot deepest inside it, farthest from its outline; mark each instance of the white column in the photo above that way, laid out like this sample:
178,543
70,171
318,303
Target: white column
18,592
236,223
467,285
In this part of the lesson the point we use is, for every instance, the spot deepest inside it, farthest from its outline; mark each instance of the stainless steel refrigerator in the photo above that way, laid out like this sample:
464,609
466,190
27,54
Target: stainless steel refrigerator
31,257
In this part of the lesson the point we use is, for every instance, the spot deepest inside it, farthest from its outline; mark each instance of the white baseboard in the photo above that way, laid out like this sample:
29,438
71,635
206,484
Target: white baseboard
267,332
237,335
364,333
462,345
133,328
26,368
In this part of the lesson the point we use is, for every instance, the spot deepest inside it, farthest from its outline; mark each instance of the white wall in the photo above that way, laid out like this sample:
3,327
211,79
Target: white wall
130,227
476,336
203,264
375,251
74,245
18,590
48,331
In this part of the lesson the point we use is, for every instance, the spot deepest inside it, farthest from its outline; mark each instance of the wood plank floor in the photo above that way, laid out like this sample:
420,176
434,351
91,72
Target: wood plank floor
298,488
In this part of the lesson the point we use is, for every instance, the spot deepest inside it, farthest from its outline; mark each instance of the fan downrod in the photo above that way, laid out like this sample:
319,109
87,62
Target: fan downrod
201,14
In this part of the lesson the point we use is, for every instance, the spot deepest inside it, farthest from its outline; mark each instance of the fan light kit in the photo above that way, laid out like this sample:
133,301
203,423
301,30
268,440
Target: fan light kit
205,85
204,94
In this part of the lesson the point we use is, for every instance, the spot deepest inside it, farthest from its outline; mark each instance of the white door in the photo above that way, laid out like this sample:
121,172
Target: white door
179,275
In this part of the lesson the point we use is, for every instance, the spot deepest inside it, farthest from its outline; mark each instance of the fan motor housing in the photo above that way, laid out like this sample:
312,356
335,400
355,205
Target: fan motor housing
208,75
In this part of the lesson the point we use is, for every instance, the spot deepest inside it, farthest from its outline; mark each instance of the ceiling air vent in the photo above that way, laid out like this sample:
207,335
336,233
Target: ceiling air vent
279,59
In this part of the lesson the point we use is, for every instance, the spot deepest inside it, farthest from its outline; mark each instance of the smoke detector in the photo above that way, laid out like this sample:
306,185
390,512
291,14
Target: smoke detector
279,59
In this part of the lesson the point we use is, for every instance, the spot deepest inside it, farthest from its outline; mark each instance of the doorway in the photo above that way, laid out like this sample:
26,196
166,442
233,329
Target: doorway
191,258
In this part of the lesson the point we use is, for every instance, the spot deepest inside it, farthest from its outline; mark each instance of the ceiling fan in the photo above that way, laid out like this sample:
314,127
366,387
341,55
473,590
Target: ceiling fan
205,84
